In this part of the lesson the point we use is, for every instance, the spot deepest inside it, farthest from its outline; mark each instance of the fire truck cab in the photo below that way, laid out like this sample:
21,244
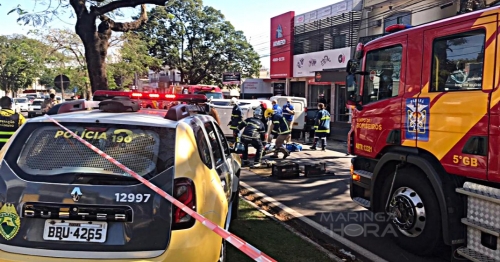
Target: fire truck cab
426,133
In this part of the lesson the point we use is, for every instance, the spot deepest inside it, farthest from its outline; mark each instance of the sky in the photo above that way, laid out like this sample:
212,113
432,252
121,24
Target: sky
253,17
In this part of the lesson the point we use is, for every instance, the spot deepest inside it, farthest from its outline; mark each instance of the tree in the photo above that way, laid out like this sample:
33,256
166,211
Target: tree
196,40
95,37
21,60
133,59
74,65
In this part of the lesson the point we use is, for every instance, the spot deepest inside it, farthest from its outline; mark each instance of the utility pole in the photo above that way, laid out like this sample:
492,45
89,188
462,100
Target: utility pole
62,89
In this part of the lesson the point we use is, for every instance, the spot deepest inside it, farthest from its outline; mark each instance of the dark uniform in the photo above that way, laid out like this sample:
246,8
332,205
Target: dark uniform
282,132
253,134
10,121
236,119
321,127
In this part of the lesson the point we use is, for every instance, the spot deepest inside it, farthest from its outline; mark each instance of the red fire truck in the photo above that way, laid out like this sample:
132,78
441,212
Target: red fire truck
426,133
150,100
210,91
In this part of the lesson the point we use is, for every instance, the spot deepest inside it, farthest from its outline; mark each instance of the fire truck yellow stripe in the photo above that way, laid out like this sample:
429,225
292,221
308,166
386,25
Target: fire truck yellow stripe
456,113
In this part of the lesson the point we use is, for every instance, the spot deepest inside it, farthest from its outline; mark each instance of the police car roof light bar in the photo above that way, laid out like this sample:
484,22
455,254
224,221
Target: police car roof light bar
119,105
73,106
101,95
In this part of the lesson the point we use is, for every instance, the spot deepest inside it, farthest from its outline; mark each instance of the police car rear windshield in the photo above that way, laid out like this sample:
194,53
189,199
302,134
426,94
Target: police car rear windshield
48,152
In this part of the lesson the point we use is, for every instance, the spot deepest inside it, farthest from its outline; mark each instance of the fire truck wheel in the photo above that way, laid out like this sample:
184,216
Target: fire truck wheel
415,212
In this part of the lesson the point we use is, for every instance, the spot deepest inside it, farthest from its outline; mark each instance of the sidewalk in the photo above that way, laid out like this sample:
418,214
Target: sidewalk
322,208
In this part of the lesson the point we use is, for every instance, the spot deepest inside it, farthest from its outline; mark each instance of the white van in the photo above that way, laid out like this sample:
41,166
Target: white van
300,105
224,109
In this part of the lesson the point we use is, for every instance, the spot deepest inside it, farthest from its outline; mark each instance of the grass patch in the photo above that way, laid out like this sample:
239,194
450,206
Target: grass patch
269,237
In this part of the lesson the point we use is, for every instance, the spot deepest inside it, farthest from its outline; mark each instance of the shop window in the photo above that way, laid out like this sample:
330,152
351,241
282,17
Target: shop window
398,18
384,66
319,94
338,41
457,63
298,89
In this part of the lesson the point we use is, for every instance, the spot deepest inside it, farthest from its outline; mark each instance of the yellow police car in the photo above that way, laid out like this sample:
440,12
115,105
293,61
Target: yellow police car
61,201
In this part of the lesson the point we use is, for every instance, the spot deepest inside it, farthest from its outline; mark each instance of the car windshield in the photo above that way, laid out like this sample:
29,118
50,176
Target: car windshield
213,95
50,151
37,103
21,100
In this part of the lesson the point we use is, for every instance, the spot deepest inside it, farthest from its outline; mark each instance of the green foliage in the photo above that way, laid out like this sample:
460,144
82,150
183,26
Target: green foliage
134,58
69,49
197,40
21,60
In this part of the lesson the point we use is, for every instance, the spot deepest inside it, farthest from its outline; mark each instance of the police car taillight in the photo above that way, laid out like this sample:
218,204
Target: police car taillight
184,191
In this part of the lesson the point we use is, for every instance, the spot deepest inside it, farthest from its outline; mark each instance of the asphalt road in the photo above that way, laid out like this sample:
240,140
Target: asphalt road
326,200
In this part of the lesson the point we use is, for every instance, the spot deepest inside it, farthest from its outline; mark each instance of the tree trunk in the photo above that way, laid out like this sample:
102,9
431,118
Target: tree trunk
96,43
96,51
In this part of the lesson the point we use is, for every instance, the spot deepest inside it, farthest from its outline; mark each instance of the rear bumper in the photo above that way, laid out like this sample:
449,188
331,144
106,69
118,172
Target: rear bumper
193,244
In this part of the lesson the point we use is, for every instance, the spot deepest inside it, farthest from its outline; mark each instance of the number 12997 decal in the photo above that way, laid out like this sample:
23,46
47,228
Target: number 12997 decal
138,198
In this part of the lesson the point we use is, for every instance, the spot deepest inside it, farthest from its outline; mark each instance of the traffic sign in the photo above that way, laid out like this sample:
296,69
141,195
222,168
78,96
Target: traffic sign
75,89
62,81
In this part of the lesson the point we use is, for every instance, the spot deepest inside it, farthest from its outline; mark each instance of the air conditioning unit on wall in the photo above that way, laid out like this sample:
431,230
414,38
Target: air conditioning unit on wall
375,23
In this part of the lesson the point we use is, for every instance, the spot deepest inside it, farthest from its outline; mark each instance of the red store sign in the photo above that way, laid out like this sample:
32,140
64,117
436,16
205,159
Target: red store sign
282,45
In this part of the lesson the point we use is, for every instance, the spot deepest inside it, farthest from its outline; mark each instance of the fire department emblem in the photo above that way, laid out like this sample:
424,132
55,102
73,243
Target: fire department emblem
417,118
9,221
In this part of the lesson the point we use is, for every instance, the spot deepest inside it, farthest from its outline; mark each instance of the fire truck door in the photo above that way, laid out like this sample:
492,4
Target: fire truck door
382,94
494,125
452,108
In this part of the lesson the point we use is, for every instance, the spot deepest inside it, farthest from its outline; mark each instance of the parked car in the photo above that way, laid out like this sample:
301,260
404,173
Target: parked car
35,108
224,109
22,103
299,119
65,202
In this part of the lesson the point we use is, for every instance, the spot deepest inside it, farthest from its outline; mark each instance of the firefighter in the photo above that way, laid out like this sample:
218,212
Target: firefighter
288,112
282,132
10,121
277,109
254,133
236,118
321,127
48,103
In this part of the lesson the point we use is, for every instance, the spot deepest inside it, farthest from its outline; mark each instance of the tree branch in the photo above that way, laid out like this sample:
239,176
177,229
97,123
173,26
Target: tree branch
98,11
78,6
128,26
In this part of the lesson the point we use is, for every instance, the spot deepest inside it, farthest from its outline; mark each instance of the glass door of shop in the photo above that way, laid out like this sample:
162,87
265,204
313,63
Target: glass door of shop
342,113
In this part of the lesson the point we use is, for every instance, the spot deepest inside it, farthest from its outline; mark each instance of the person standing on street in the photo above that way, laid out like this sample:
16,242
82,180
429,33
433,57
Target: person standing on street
276,109
236,118
48,103
321,127
288,112
254,133
282,132
10,121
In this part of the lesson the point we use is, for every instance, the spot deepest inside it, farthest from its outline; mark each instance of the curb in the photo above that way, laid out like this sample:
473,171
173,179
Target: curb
289,228
354,248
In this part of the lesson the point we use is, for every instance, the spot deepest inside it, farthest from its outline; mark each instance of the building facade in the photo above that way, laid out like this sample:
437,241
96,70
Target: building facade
316,41
379,14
